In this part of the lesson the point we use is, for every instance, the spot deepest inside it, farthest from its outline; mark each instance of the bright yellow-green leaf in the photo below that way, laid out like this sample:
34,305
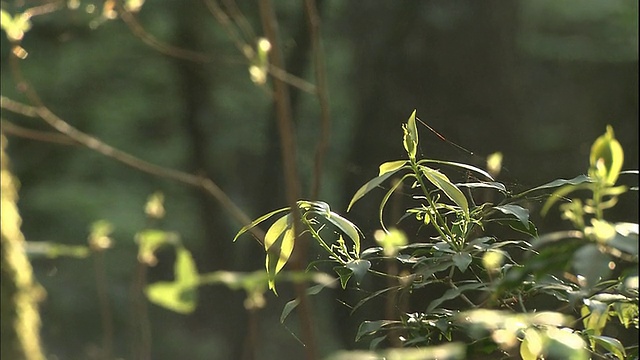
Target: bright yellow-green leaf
532,344
606,158
442,182
410,140
278,243
258,221
172,296
185,269
391,166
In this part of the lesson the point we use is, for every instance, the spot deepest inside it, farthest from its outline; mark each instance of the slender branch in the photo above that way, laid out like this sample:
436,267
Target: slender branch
97,145
44,136
321,93
138,30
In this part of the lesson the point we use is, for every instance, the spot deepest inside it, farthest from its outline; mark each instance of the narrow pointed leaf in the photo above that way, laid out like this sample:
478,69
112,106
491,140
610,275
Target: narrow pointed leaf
258,221
391,166
611,344
442,182
370,185
347,227
288,308
490,184
580,179
386,197
516,210
460,165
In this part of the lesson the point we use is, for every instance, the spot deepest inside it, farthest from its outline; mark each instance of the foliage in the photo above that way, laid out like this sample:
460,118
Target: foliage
572,270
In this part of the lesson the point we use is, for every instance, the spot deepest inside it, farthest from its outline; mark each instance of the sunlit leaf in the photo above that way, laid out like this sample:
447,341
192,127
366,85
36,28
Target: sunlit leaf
258,221
150,240
595,316
410,140
278,242
532,344
459,165
347,227
386,197
370,185
610,344
491,185
391,167
442,182
606,158
173,296
185,270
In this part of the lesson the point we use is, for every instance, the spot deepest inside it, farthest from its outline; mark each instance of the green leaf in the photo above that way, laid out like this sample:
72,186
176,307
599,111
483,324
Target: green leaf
180,295
391,167
460,165
627,312
359,269
371,327
606,158
595,316
288,308
185,270
150,240
370,185
347,227
386,197
591,263
491,184
442,182
173,296
410,140
258,221
462,260
610,344
344,275
518,211
580,179
454,293
278,243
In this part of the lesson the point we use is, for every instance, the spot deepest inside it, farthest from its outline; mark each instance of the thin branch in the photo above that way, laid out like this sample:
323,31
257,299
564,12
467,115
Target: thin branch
321,93
138,30
240,20
99,146
45,136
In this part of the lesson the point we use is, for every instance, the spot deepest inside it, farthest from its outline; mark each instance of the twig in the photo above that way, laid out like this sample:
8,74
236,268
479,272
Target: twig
97,145
44,136
138,30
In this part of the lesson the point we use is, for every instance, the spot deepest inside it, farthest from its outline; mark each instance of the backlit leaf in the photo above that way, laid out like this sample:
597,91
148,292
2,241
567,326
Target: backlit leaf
258,221
391,166
370,185
441,181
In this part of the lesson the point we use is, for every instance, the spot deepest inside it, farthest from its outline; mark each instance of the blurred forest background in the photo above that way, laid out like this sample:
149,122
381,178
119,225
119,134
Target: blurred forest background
535,80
